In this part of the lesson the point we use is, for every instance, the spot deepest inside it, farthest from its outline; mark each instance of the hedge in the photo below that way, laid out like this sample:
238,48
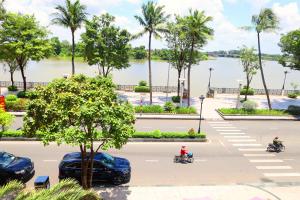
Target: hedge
176,99
18,105
233,111
12,88
186,110
159,109
292,95
149,109
141,89
244,91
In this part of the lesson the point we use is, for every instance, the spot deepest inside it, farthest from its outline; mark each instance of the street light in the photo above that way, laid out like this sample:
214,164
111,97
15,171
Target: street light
239,93
182,88
210,69
282,90
200,119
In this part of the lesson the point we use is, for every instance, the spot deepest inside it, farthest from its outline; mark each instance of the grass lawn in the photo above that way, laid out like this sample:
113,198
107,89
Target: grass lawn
262,112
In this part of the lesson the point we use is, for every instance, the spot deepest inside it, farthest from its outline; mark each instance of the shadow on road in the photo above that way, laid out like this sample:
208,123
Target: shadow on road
114,193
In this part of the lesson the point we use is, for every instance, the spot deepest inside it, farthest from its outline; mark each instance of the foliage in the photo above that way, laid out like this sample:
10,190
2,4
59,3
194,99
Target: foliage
295,86
233,111
65,189
138,52
141,89
294,110
158,134
72,15
249,92
57,47
176,99
169,107
292,95
24,39
249,105
6,120
152,20
12,133
72,111
192,133
22,94
186,110
105,44
290,47
12,88
17,106
11,97
149,109
143,83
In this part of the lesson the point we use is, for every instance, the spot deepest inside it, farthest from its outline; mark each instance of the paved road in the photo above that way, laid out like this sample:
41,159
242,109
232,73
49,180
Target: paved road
235,153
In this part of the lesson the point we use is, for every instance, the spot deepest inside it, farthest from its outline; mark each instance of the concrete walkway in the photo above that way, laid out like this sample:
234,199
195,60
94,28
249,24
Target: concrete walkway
229,192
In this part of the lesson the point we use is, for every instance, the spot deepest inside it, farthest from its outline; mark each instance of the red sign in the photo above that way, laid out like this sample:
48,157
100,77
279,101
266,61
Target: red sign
2,103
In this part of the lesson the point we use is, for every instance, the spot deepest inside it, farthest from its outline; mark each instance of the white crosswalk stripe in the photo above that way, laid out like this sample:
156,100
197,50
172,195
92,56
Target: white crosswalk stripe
233,130
273,167
228,133
246,145
213,122
259,155
266,161
224,127
242,140
254,149
236,136
282,174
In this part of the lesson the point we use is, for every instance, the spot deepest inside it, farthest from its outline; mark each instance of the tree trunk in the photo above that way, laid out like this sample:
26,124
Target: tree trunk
178,82
189,73
23,77
262,72
149,62
12,78
84,167
91,164
247,87
73,52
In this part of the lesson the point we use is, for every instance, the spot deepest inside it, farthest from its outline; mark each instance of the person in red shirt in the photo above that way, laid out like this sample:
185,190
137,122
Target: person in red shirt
183,151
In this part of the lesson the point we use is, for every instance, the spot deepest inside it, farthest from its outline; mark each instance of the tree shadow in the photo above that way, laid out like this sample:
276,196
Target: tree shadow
109,192
281,103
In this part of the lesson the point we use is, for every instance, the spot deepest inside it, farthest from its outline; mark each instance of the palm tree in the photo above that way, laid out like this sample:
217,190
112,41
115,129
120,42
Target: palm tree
152,19
198,33
71,16
266,21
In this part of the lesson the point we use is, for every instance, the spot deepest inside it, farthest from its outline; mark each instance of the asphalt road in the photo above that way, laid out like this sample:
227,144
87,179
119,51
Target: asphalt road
234,154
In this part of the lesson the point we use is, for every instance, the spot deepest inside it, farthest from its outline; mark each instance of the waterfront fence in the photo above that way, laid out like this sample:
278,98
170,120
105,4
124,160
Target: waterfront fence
256,91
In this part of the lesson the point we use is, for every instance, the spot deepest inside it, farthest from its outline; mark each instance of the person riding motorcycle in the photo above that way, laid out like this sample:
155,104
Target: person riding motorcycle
183,151
276,142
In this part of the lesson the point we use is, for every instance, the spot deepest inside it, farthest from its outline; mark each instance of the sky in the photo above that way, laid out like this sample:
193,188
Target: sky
228,18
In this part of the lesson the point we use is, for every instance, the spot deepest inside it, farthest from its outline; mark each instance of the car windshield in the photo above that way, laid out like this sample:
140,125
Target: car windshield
6,159
107,159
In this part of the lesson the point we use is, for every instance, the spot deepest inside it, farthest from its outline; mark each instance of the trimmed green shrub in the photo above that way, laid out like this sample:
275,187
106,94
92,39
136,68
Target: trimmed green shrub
143,83
12,88
294,110
244,91
18,105
176,99
11,97
158,134
292,95
141,89
186,110
22,94
192,133
149,109
6,120
261,112
169,107
249,105
12,133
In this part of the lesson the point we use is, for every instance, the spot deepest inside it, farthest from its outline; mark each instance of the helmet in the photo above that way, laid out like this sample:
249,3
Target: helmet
183,146
276,137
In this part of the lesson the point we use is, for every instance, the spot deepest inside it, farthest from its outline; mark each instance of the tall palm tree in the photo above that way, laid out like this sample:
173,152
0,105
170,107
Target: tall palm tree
197,30
266,21
152,19
72,15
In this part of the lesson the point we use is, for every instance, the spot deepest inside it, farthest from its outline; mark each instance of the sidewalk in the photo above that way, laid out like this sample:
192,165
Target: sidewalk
230,192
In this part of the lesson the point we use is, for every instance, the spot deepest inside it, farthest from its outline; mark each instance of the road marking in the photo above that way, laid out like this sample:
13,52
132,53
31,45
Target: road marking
254,149
147,127
227,133
282,174
50,160
151,160
242,140
265,161
180,127
200,160
221,130
288,159
273,167
220,127
218,122
221,143
259,155
236,136
246,145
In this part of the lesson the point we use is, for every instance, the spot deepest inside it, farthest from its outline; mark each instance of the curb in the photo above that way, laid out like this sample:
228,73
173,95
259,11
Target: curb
258,117
129,140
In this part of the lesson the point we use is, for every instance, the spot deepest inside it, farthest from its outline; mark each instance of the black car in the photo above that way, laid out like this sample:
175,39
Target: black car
106,168
15,168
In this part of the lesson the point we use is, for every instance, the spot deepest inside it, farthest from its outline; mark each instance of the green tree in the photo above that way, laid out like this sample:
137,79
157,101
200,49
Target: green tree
152,19
66,48
197,30
56,45
73,111
106,45
139,52
6,120
266,21
250,64
72,15
24,39
178,44
66,189
290,47
2,10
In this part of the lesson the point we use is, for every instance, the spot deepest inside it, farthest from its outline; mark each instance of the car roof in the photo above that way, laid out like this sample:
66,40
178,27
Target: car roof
77,156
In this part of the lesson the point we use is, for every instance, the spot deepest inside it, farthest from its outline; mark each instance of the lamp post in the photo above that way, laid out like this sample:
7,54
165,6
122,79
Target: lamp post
239,93
182,88
210,69
200,119
282,90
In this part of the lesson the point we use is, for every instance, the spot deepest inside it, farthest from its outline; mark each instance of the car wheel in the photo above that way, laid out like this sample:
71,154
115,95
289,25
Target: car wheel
118,180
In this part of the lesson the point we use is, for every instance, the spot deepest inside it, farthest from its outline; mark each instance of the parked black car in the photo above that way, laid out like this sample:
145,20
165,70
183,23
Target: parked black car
15,168
107,168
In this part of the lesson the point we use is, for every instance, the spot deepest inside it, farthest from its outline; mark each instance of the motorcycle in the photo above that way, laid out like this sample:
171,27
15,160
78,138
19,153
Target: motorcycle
272,148
184,159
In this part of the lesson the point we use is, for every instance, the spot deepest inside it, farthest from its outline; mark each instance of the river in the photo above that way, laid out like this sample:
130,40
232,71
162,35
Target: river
225,74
